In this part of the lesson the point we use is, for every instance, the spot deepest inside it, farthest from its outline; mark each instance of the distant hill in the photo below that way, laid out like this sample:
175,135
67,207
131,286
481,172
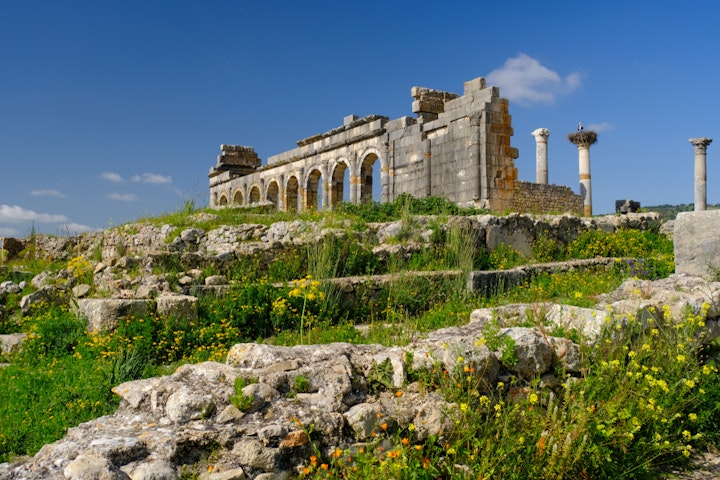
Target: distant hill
669,212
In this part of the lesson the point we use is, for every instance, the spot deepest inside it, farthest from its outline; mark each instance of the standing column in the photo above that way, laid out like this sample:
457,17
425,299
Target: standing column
700,145
541,159
583,139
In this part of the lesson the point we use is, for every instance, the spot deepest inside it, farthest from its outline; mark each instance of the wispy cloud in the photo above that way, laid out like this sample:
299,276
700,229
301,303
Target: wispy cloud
8,232
74,228
153,178
16,214
526,81
599,127
111,177
47,193
123,197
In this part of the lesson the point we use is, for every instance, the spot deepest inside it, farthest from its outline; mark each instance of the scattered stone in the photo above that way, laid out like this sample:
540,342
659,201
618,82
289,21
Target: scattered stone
10,342
81,290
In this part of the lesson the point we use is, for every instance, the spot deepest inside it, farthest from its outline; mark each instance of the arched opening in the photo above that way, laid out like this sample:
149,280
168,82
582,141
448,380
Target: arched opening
370,183
291,195
223,200
238,198
340,185
254,194
273,194
313,191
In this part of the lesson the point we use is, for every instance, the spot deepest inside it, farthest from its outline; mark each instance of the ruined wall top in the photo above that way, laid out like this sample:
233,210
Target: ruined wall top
349,122
236,160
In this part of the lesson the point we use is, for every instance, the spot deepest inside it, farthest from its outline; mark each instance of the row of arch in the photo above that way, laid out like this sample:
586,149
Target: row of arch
321,187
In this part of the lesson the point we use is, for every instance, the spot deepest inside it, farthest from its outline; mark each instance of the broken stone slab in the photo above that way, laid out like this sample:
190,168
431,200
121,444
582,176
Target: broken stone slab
104,314
697,243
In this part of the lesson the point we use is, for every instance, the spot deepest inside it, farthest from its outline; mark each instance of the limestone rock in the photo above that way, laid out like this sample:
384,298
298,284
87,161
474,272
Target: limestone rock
533,353
81,290
49,294
90,467
10,342
697,244
180,307
9,287
154,470
103,314
216,280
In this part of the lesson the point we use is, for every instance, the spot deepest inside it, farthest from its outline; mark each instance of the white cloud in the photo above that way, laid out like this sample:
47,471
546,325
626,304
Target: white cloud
74,228
525,80
599,127
111,177
153,178
123,197
8,232
47,193
15,214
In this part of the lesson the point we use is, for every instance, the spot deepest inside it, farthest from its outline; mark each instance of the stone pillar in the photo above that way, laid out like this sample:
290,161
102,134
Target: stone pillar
325,199
583,139
427,165
700,145
541,158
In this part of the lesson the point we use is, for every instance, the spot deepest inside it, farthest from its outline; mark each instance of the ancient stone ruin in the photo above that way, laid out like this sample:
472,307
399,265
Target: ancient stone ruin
457,147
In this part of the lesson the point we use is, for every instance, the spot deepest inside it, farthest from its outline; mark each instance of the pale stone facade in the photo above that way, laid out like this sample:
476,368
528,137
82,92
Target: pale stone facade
457,147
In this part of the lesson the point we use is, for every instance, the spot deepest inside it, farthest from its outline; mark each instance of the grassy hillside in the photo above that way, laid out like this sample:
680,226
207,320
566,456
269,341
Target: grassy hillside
648,397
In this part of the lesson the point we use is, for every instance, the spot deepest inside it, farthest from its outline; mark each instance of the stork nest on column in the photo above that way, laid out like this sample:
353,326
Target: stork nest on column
583,137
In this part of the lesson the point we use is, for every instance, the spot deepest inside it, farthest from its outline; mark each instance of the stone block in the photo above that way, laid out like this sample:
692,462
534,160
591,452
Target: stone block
180,307
104,314
474,85
697,244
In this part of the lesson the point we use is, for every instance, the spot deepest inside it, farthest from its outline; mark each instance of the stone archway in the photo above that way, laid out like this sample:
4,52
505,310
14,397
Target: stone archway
291,194
370,179
340,184
313,190
238,197
223,200
273,194
254,195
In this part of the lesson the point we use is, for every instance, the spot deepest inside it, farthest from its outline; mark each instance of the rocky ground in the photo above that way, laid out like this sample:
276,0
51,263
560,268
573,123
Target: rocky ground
165,422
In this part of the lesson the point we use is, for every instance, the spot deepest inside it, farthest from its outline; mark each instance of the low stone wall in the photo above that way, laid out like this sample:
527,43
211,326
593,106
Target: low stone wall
492,282
543,198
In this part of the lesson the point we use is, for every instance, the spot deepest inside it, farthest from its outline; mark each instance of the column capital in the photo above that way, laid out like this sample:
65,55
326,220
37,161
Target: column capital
700,143
540,134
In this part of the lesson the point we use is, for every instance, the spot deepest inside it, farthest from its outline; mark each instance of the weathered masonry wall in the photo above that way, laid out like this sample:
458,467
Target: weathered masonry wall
543,198
457,146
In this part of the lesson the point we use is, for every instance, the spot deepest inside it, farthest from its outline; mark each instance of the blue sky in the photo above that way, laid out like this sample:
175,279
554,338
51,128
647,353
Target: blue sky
115,110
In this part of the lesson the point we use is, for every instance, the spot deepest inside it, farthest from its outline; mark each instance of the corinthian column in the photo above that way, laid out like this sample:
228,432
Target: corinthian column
583,139
541,159
700,145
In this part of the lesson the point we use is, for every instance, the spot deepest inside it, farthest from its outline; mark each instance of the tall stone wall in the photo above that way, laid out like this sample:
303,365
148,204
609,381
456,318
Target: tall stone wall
545,198
457,147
